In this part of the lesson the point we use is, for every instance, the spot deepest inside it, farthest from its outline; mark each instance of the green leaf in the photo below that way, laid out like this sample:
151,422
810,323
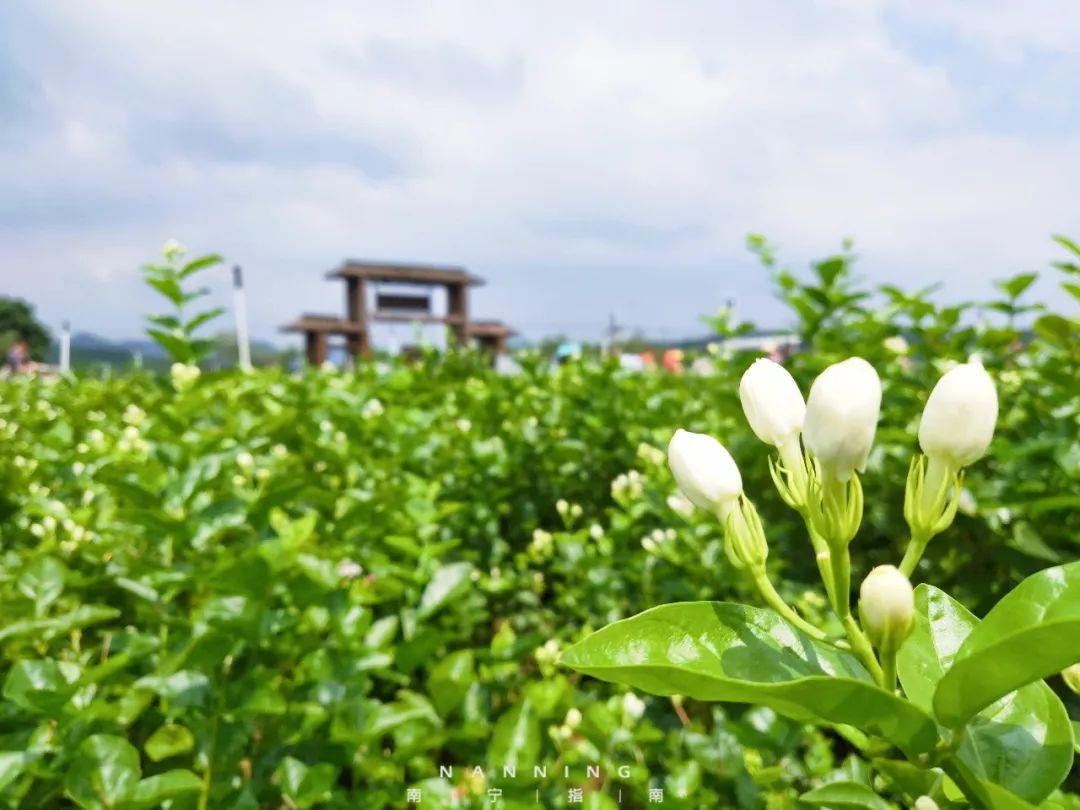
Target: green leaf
12,764
176,347
41,686
516,740
845,794
1033,632
1055,329
450,680
1014,287
155,790
169,287
168,741
304,785
199,263
43,581
82,616
183,688
1023,742
728,652
105,771
1067,243
202,318
449,582
1026,539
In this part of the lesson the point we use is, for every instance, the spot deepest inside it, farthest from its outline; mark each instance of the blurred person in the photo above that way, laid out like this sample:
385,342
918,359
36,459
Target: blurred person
672,361
18,358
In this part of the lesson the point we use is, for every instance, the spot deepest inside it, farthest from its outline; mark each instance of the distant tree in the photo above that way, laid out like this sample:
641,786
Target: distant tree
17,321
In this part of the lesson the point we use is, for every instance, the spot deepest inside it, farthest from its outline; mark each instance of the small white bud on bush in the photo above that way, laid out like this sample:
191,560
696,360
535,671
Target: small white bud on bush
704,470
772,402
841,416
887,605
958,421
633,706
925,803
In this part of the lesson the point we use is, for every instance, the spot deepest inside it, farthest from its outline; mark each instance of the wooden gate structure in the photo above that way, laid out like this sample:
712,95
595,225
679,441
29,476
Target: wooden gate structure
396,307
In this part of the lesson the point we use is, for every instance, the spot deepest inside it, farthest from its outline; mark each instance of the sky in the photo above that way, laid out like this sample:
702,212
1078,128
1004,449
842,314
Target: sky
587,159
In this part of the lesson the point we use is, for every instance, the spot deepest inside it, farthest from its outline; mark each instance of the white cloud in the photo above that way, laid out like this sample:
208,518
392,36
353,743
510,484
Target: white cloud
582,158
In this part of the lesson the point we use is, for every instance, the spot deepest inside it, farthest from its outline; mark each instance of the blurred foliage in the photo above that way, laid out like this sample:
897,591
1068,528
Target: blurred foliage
268,590
17,321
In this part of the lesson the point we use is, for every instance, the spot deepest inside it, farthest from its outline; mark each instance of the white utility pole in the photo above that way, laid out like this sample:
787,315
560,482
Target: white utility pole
243,344
65,348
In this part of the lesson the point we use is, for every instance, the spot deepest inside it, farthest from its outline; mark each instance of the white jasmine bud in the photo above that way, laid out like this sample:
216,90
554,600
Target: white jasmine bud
772,402
958,421
841,416
245,461
925,803
633,706
704,471
887,606
573,718
896,344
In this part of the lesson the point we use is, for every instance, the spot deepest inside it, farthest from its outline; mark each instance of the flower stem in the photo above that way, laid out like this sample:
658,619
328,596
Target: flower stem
915,548
888,670
777,603
860,645
840,570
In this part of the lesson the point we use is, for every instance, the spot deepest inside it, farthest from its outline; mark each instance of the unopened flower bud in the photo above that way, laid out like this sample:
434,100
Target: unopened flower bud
841,416
633,706
704,471
958,421
772,402
925,803
887,606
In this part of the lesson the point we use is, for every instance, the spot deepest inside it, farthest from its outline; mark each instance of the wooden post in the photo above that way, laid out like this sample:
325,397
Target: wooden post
316,346
356,309
457,309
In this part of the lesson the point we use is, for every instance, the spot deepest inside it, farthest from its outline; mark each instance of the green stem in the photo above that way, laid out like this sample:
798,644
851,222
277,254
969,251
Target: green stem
972,791
840,568
915,548
208,777
777,603
888,670
860,645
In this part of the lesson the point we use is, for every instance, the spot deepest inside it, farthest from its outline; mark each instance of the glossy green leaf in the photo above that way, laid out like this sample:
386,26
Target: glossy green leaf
168,741
105,771
1033,632
516,739
12,764
305,785
82,616
43,581
845,794
1022,742
42,686
450,679
728,652
154,791
449,582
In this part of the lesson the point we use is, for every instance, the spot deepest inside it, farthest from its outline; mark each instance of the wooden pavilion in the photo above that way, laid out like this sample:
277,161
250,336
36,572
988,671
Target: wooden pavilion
397,307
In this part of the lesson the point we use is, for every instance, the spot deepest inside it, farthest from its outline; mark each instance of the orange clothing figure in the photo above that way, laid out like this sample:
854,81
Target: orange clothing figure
673,361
